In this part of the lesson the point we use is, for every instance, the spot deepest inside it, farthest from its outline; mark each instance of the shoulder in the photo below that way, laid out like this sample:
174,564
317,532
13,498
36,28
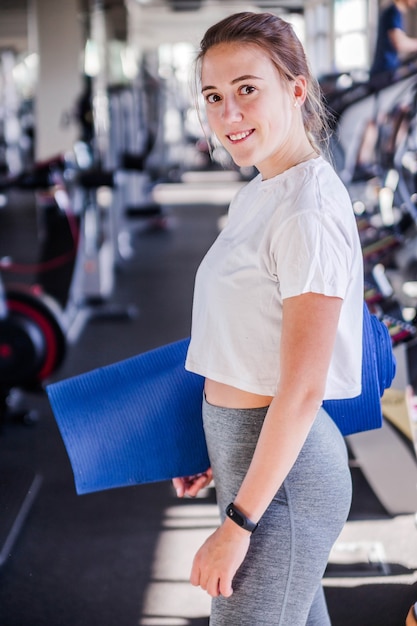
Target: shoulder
320,188
327,178
304,187
392,17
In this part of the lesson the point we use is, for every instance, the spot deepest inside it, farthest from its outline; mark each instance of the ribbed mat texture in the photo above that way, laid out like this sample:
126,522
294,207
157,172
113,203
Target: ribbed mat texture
131,422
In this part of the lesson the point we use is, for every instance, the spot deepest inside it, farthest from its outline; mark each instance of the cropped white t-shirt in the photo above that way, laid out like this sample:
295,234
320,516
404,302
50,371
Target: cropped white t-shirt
285,236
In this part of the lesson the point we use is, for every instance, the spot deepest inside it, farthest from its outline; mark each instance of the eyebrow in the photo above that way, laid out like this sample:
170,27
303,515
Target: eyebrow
234,81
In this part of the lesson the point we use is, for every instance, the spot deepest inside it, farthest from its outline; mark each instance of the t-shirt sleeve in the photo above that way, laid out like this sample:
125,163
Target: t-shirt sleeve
313,253
393,19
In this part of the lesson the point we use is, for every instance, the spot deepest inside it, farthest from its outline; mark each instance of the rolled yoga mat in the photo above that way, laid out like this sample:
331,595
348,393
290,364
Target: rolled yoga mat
139,420
132,422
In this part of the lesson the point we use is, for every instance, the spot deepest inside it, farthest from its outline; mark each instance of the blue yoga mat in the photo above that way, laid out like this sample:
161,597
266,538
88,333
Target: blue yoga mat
378,370
132,422
139,420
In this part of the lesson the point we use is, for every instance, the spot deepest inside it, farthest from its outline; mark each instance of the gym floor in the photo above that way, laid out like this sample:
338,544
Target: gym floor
122,557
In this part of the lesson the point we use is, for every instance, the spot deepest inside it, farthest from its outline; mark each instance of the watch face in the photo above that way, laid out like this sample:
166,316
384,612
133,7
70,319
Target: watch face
240,519
232,513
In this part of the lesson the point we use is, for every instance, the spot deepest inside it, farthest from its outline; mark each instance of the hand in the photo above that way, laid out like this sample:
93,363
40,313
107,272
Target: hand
191,485
219,558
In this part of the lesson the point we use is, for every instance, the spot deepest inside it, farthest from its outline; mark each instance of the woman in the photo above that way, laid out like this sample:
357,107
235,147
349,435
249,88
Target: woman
277,328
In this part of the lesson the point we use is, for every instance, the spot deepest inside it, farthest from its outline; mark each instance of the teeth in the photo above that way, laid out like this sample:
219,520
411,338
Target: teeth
239,136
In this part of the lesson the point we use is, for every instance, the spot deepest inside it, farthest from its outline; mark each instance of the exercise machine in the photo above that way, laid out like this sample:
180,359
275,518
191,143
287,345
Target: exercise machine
377,158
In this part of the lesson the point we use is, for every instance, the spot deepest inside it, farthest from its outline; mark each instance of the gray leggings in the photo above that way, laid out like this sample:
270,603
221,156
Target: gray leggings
279,582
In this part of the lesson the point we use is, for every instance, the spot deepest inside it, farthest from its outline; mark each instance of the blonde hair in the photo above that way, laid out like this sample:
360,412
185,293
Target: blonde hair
277,38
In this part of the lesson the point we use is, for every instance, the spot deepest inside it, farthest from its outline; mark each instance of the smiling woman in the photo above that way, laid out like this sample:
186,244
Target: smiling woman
276,329
289,61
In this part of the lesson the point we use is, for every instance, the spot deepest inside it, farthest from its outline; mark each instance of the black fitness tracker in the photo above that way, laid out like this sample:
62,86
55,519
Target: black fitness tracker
240,519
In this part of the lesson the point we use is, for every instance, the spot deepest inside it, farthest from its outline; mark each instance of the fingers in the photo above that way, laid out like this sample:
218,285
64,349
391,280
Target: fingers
225,587
195,484
215,581
179,486
191,485
195,574
213,585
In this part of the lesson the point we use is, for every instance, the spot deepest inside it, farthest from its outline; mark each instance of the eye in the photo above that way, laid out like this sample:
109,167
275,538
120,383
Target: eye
212,98
245,90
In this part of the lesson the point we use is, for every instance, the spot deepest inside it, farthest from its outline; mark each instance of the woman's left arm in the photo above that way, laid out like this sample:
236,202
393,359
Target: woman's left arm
308,334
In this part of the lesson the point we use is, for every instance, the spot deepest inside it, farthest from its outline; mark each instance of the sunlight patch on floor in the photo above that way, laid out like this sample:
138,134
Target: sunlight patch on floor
170,599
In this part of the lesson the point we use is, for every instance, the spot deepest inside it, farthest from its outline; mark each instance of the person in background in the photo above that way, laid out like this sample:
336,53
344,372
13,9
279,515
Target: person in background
393,44
276,329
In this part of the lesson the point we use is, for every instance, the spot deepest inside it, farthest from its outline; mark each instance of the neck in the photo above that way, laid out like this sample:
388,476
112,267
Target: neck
300,154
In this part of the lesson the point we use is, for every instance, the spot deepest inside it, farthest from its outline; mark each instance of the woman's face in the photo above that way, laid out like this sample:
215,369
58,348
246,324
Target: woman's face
250,108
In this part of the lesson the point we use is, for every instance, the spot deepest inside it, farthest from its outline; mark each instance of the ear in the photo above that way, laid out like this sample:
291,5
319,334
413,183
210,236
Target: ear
300,90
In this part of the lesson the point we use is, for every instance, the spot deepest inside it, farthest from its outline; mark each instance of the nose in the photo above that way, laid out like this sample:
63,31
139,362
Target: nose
231,110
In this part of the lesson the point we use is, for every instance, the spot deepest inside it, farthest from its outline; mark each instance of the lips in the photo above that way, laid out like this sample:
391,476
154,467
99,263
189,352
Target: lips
235,137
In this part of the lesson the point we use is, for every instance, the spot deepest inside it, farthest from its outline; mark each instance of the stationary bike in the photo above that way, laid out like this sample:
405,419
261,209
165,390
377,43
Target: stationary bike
33,343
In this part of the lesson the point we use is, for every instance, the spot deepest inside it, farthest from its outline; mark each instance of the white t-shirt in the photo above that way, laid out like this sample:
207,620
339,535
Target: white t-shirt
285,236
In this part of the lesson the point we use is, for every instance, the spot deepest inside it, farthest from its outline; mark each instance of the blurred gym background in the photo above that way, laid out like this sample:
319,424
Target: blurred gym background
109,198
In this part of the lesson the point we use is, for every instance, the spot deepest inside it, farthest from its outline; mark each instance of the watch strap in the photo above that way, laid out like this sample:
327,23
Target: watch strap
240,519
